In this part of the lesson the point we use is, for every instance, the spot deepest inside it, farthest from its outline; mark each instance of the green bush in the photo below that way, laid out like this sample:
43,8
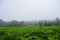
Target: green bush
30,33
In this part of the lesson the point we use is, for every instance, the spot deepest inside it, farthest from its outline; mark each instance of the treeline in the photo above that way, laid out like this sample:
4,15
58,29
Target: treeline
17,23
55,22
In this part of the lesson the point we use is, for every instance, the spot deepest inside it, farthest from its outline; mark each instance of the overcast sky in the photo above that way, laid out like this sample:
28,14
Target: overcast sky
27,10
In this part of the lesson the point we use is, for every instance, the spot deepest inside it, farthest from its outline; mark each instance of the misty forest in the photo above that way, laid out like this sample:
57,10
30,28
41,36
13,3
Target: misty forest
30,30
55,22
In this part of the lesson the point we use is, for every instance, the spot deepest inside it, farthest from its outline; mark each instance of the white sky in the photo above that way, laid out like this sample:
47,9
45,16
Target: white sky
29,9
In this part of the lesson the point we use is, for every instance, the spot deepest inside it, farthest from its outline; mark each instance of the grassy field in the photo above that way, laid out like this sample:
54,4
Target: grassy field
30,33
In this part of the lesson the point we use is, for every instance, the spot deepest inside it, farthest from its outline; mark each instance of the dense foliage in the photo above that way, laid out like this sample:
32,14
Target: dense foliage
30,33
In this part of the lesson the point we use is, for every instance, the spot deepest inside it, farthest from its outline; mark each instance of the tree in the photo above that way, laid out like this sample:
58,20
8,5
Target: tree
41,23
45,23
21,23
57,21
12,23
2,23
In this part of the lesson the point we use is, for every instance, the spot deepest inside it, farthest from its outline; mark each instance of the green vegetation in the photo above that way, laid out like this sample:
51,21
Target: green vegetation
30,33
30,30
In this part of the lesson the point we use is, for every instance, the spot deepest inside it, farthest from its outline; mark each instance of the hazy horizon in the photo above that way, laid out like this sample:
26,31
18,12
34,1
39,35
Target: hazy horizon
26,10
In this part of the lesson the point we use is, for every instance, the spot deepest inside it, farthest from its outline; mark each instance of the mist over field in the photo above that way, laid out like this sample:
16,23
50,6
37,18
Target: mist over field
27,10
29,19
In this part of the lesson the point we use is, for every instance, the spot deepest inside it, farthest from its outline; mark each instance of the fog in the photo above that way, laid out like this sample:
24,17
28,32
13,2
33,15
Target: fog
27,10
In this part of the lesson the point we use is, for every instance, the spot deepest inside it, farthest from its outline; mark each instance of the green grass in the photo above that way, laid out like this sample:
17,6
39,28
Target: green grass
30,33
